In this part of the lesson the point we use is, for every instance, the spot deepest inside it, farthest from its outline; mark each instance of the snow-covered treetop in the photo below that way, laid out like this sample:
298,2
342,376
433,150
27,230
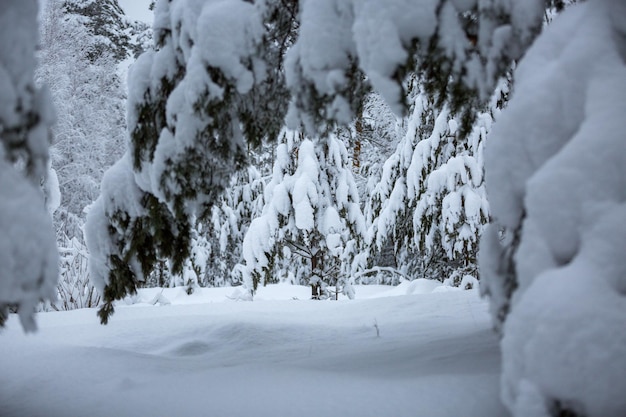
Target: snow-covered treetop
105,19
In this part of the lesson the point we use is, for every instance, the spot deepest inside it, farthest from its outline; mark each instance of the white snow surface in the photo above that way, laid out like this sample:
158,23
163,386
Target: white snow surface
281,355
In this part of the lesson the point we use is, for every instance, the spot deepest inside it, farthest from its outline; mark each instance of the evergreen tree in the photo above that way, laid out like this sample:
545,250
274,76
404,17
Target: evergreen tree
194,270
106,21
431,201
229,223
388,208
312,226
141,41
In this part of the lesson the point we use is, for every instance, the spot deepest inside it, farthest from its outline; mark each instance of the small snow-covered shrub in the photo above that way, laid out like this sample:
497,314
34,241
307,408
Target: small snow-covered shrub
74,289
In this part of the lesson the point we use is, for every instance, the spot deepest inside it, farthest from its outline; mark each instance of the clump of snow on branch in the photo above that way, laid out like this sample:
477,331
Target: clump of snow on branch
556,180
28,255
386,39
120,200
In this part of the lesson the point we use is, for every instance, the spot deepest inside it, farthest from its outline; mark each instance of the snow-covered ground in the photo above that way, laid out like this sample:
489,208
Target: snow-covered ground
412,350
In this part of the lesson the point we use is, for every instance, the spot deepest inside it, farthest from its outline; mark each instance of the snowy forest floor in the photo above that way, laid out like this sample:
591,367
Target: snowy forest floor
429,353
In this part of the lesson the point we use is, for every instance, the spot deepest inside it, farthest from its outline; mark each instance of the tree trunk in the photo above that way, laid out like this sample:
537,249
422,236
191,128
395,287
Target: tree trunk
316,285
356,152
315,291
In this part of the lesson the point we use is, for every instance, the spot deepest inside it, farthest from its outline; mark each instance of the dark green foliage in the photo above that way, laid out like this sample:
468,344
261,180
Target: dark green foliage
142,242
262,110
318,106
4,315
151,119
200,173
104,18
450,77
122,283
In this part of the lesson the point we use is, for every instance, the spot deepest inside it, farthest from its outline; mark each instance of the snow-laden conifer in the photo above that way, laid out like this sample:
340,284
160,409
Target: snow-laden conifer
230,220
430,202
387,207
107,23
311,228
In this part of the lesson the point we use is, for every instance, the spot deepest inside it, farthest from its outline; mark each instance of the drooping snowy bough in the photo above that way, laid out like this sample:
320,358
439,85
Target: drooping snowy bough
556,178
214,82
28,254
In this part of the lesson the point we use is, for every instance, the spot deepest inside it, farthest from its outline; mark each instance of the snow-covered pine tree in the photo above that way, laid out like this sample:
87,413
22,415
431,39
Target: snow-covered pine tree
373,138
446,194
224,243
230,220
140,34
388,206
433,188
131,235
106,21
194,270
28,254
312,226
